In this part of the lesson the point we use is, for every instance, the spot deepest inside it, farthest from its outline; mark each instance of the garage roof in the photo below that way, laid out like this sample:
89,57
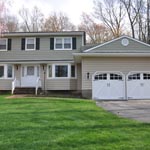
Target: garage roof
123,44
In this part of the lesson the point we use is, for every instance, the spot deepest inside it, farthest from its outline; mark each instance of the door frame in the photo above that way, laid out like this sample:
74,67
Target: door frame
26,65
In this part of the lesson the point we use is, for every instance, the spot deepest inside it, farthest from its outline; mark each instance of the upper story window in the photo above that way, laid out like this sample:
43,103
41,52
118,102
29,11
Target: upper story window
30,43
63,43
3,44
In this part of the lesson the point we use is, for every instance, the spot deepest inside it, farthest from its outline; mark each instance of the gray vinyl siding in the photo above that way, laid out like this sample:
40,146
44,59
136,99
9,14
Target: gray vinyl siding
5,84
79,77
117,47
43,54
61,84
125,65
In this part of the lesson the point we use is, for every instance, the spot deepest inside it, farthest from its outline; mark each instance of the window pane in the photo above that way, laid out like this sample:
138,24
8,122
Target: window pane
67,43
3,44
9,71
30,70
61,71
101,77
50,71
72,71
38,71
134,77
30,41
30,44
59,43
1,71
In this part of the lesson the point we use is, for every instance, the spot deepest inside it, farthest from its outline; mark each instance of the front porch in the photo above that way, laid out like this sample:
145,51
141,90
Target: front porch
27,78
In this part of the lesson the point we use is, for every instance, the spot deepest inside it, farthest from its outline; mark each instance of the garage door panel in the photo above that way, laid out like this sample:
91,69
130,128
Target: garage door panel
108,86
138,85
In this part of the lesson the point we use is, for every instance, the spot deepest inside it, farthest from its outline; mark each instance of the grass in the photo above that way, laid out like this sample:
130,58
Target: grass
66,124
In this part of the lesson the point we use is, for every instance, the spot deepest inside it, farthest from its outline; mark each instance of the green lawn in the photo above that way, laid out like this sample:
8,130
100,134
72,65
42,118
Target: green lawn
66,124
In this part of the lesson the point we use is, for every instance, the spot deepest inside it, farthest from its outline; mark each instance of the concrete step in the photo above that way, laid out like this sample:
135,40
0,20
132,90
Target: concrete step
24,90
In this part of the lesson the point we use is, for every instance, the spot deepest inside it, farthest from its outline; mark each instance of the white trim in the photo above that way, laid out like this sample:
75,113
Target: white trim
5,71
62,64
107,72
26,43
124,36
113,54
62,38
2,50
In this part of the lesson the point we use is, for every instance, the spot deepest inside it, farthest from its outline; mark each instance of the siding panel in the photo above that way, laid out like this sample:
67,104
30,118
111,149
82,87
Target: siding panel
124,65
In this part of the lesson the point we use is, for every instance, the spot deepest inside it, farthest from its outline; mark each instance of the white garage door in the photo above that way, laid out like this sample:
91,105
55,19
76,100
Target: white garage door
108,85
138,85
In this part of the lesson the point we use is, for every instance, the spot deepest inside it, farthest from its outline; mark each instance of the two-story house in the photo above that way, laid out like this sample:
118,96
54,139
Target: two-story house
60,61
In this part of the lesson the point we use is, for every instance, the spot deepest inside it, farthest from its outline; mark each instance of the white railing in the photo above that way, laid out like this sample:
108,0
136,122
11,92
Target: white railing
15,84
38,84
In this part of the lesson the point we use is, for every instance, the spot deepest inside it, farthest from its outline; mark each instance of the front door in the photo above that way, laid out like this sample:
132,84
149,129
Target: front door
29,75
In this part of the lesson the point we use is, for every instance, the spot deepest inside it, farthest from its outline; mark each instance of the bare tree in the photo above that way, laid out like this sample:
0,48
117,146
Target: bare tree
111,13
58,22
3,12
148,21
133,9
96,32
12,23
32,21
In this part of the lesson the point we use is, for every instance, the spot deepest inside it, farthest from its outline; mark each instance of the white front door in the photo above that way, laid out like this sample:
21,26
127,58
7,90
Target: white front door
29,75
108,86
138,85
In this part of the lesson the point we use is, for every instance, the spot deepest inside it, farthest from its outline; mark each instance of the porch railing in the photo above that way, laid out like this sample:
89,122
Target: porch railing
38,84
15,83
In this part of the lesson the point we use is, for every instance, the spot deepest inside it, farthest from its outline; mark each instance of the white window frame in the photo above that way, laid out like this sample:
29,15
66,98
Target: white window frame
62,43
5,71
34,43
62,64
6,44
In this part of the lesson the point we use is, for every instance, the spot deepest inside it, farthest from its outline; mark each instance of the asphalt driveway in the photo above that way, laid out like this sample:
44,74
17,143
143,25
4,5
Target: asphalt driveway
134,109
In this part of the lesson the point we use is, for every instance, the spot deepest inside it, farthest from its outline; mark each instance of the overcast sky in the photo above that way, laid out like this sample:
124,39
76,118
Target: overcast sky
73,8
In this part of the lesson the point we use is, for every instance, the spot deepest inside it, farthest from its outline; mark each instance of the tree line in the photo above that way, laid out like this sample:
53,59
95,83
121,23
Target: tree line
109,19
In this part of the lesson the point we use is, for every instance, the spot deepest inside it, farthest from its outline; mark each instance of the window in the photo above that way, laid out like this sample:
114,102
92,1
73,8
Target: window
49,71
63,43
146,76
73,71
6,71
30,43
30,70
1,71
9,71
3,44
115,77
67,43
59,43
61,71
101,76
134,76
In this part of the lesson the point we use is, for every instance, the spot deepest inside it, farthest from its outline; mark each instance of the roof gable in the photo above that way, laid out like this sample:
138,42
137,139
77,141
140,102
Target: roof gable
123,44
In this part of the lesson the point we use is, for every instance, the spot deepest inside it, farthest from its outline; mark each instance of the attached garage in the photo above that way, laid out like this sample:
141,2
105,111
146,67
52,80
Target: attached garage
108,86
138,85
116,70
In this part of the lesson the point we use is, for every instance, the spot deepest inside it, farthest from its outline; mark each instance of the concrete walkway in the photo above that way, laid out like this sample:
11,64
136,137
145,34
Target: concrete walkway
134,109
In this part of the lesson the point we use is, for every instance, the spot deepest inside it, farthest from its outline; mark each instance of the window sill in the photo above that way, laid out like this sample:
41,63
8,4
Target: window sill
60,78
3,50
63,49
